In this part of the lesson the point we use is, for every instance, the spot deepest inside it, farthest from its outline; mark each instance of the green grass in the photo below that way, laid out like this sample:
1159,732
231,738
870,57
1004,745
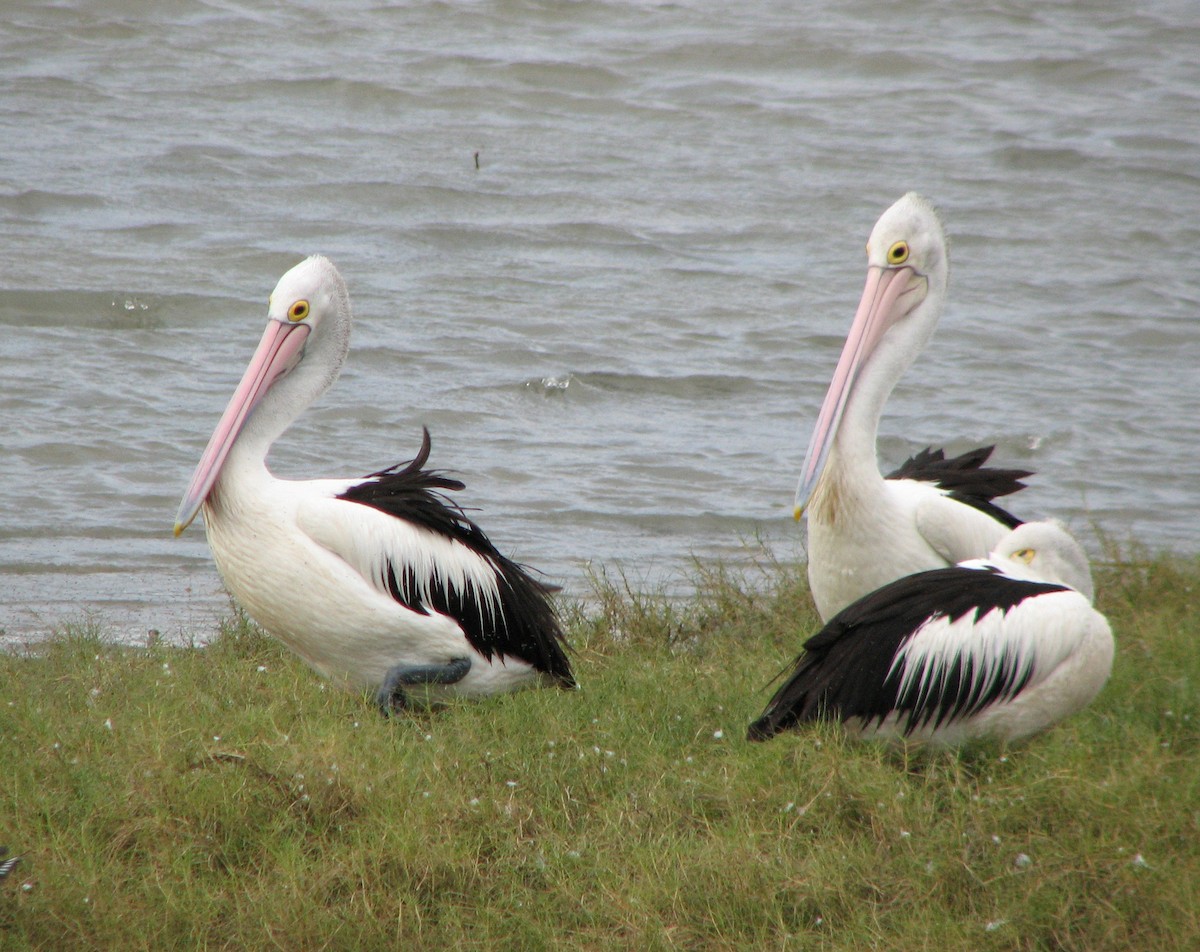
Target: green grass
225,798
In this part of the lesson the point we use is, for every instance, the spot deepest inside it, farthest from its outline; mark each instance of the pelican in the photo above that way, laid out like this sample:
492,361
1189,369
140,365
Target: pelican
378,581
1002,647
7,865
864,530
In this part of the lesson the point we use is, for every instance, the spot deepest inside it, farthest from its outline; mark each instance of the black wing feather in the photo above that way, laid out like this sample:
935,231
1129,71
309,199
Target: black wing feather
845,670
966,479
526,625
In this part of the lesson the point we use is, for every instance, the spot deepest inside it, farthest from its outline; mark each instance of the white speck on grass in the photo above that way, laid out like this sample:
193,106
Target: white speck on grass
510,783
790,806
994,925
1139,862
27,886
995,839
905,834
718,734
108,723
1022,861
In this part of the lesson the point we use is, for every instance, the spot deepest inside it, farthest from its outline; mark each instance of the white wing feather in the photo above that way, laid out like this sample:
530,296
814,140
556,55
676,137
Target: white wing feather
375,543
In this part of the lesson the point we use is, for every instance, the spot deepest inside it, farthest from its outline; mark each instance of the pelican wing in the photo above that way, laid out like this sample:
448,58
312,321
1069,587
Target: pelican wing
933,646
966,480
955,530
409,541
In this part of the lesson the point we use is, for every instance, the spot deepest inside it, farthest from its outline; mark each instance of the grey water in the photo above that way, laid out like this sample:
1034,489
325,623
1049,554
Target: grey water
607,252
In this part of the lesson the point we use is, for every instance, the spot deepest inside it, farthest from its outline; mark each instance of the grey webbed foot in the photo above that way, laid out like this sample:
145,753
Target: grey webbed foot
391,697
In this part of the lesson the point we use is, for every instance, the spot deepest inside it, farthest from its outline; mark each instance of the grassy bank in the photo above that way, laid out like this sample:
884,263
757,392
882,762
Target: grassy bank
221,798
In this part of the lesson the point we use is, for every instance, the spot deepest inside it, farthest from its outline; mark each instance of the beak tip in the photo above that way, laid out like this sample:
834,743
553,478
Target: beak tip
798,513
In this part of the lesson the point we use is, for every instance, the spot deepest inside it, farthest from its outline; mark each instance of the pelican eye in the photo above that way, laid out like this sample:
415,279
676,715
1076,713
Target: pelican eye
1024,555
898,253
298,311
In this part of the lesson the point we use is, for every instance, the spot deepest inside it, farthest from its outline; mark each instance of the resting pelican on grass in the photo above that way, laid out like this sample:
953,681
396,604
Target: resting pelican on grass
378,581
1001,647
864,530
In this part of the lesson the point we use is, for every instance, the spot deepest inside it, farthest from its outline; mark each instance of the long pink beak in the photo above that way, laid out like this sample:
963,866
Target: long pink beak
278,352
877,311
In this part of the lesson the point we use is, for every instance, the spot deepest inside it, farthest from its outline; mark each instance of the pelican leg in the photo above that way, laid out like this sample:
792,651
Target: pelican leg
391,697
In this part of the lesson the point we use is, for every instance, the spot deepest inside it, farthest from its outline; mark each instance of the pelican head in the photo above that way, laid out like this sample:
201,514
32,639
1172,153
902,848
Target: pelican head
297,359
1048,553
907,269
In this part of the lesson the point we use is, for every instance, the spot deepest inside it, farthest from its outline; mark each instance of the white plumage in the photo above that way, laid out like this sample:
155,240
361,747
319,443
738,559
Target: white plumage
378,581
864,530
1002,647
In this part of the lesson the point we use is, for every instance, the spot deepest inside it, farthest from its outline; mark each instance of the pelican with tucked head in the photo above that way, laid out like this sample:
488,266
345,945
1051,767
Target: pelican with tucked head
999,648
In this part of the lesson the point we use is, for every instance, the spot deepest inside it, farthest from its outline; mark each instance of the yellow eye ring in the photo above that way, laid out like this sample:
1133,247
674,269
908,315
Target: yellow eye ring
298,311
1024,555
898,253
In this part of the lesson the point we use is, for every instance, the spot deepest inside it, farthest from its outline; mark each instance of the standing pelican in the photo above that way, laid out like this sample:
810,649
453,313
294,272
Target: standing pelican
864,530
378,581
1002,648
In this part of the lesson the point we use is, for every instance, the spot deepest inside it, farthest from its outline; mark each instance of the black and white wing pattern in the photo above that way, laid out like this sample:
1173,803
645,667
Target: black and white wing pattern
7,863
434,559
919,654
965,479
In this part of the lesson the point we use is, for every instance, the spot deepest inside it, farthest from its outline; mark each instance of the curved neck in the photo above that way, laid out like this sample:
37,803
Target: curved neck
288,397
859,428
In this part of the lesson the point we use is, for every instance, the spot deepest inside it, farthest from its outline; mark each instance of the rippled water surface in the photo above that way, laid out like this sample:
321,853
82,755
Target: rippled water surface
606,251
